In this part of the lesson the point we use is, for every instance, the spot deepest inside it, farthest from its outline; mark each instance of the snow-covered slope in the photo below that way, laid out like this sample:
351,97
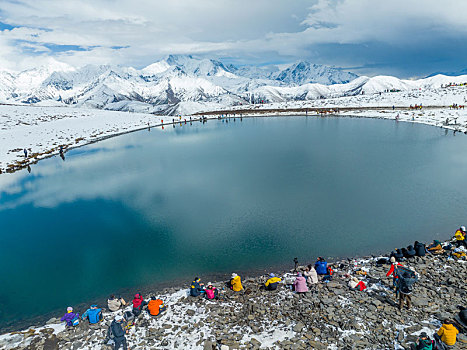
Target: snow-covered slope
185,84
161,87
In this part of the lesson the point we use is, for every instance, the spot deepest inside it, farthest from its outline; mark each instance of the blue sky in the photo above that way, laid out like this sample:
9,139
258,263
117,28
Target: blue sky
410,38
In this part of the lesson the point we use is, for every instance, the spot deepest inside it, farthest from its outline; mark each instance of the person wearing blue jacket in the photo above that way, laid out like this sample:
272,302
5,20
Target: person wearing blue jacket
93,314
196,287
321,266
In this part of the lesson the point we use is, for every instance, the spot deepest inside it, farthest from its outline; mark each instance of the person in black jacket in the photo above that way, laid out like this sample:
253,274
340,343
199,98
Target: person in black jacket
420,249
117,333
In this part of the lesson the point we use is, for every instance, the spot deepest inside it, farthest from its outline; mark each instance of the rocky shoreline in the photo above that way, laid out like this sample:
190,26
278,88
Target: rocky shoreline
329,316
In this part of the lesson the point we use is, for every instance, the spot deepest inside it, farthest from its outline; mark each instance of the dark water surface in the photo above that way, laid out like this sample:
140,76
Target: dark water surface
153,207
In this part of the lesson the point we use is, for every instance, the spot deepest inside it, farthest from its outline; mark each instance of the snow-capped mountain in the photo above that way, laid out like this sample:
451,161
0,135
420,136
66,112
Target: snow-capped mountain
185,84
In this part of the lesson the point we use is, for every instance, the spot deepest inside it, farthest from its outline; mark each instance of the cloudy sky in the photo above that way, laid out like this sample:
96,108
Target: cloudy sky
407,38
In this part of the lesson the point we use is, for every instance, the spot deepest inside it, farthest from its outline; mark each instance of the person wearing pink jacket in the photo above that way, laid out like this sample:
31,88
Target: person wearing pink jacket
300,284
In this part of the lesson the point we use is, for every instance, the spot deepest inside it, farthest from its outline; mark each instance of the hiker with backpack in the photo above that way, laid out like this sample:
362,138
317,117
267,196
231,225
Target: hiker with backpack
156,306
138,304
71,318
406,279
196,287
114,304
93,314
423,343
117,334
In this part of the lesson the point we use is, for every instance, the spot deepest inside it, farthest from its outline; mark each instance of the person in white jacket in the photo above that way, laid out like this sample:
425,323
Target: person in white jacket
311,275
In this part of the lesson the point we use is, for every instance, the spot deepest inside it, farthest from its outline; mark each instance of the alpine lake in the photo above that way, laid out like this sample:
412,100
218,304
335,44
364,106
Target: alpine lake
157,207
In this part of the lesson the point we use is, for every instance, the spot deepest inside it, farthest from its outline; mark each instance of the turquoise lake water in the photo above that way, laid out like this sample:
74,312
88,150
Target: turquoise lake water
150,208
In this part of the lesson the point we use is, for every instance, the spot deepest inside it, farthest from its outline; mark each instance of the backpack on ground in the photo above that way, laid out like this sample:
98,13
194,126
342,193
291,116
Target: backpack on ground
129,318
75,321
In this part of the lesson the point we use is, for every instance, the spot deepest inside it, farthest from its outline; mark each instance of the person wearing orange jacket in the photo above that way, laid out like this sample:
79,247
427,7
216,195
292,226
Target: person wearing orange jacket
156,306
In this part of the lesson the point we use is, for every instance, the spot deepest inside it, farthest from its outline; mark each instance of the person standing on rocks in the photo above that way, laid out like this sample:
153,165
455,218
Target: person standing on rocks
405,282
25,153
117,333
392,271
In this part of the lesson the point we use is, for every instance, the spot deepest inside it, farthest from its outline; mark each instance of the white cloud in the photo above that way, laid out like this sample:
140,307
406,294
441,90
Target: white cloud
260,30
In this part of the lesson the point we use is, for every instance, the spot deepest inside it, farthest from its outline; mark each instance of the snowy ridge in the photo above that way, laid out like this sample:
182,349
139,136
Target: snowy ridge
162,87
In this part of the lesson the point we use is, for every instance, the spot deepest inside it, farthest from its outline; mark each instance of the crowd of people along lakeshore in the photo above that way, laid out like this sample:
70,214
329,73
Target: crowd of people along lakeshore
301,281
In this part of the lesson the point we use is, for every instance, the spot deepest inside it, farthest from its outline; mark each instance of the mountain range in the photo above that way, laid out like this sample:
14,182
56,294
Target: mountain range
181,84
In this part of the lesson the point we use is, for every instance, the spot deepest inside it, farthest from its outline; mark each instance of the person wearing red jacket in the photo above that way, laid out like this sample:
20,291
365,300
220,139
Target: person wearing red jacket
392,270
138,303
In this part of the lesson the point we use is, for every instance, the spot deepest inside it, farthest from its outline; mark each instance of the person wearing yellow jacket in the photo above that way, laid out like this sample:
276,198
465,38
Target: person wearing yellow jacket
236,283
448,333
460,237
272,282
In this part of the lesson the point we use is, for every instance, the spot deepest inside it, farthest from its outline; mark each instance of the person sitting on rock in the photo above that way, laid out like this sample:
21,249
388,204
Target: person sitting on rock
321,266
435,247
299,284
236,283
156,306
447,334
424,343
356,284
196,287
273,282
138,304
117,334
311,275
328,276
211,292
71,318
410,252
114,304
93,314
460,237
420,249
